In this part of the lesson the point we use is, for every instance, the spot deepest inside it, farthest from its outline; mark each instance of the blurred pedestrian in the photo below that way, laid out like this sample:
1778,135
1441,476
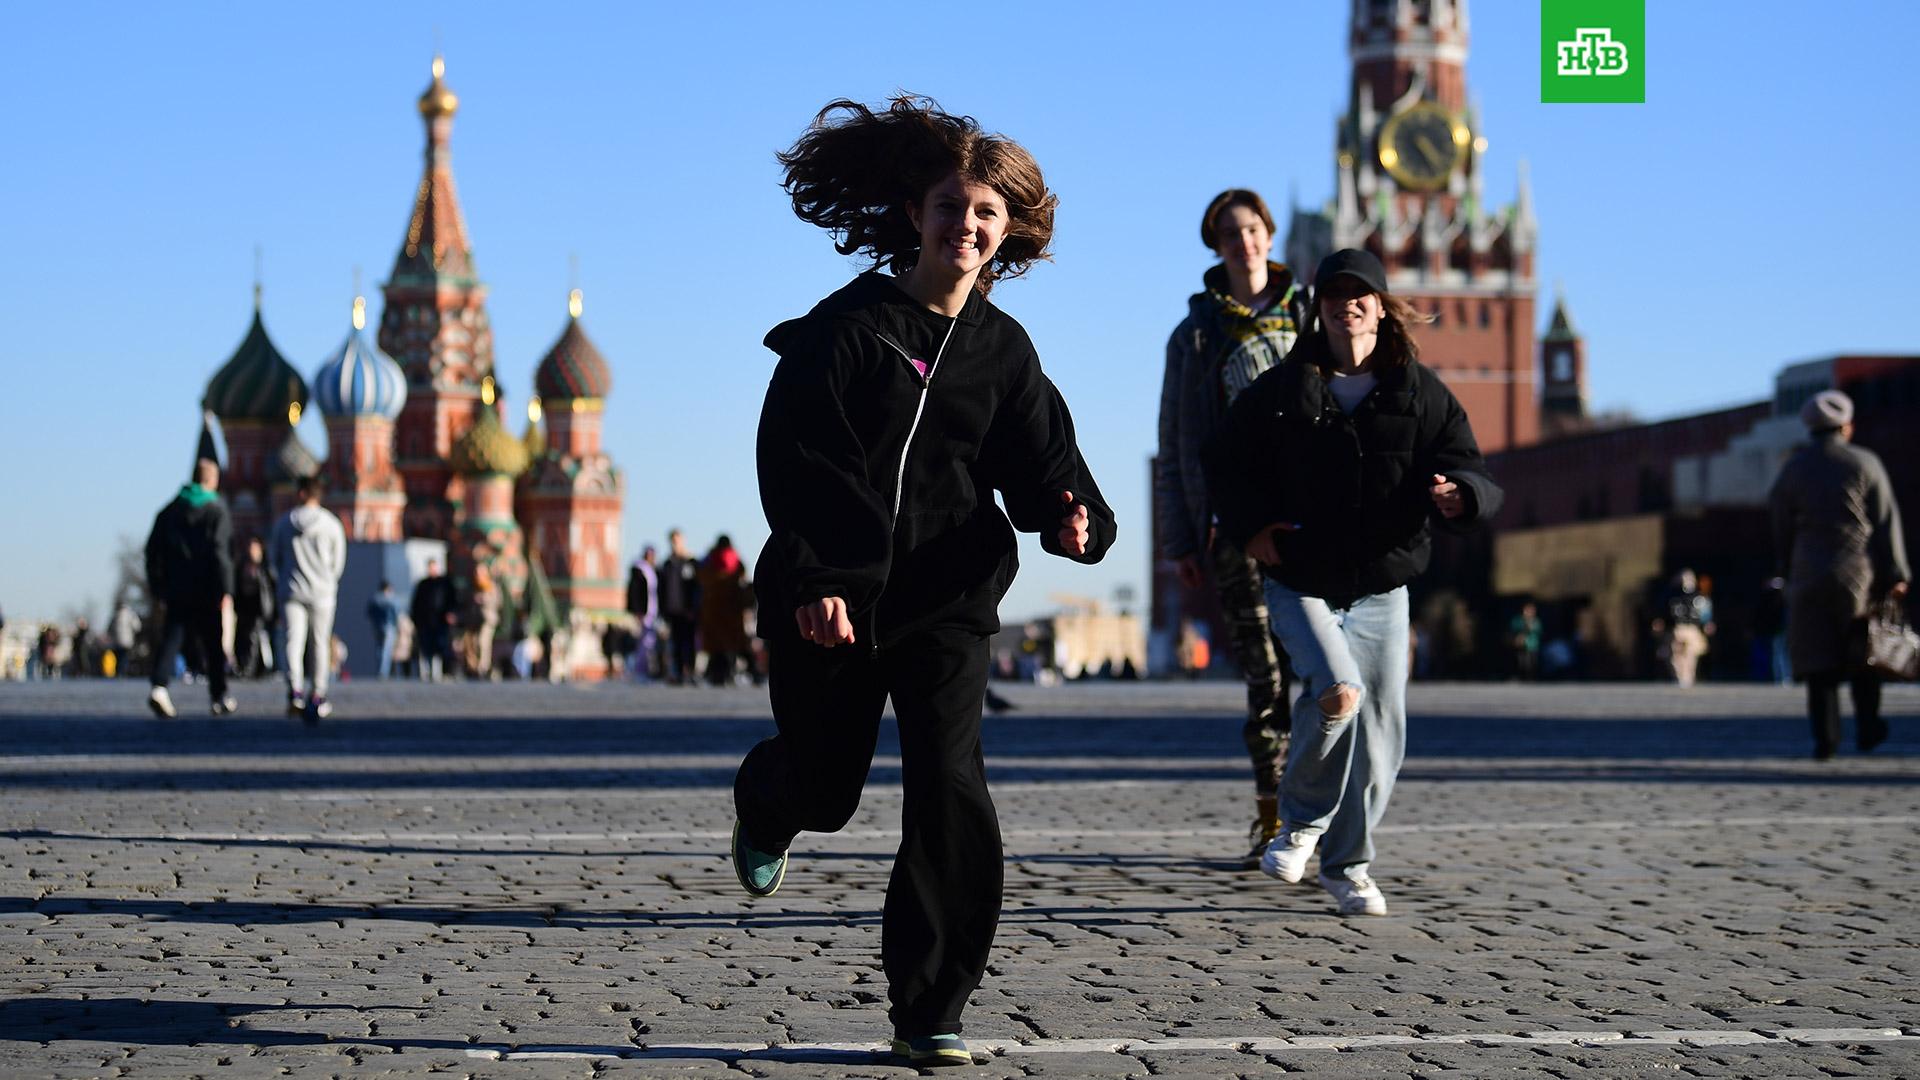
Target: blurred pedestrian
254,595
48,651
405,656
723,611
1684,627
899,405
433,617
1771,662
1240,324
1837,535
680,606
80,654
309,556
1194,656
123,631
1523,642
1331,470
383,615
189,561
643,603
483,621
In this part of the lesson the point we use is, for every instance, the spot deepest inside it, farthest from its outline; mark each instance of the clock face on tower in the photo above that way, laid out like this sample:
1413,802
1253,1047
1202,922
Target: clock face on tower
1420,145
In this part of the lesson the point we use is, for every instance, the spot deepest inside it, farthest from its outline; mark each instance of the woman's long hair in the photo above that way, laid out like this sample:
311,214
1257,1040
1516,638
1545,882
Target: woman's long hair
855,172
1396,344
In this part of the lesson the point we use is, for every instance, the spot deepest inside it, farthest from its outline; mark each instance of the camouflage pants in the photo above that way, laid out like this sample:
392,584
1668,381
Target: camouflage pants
1236,578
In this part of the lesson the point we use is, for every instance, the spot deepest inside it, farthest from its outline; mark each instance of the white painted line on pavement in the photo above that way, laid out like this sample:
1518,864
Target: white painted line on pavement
1688,1039
414,837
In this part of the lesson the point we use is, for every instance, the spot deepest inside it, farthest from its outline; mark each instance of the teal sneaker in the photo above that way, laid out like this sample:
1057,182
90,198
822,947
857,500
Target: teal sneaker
759,873
932,1051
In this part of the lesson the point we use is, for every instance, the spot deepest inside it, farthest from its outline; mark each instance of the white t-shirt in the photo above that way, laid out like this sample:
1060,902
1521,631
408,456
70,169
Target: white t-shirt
1350,390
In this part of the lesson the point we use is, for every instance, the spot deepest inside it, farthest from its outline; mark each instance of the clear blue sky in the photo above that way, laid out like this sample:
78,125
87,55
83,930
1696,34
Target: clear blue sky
1755,212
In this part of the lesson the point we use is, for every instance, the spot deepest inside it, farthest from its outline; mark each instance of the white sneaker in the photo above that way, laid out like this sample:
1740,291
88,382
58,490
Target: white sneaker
1356,895
1286,858
161,703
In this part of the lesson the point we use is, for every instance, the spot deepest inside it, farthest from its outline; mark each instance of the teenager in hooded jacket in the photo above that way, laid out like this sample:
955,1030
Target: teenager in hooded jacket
900,405
1331,470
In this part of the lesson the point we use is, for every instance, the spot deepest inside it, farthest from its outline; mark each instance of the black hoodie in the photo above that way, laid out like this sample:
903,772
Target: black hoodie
877,481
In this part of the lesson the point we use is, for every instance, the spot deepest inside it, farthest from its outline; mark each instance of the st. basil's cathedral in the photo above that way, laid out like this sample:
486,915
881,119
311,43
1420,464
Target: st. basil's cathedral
418,441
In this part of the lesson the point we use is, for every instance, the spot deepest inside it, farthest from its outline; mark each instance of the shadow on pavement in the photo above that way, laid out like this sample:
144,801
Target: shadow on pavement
247,914
144,1022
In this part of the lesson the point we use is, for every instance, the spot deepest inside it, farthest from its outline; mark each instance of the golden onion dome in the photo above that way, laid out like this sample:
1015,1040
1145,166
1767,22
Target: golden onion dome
487,447
438,100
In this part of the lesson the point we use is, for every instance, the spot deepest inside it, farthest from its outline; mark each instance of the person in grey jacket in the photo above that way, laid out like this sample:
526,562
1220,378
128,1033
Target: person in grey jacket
1239,325
309,554
1836,532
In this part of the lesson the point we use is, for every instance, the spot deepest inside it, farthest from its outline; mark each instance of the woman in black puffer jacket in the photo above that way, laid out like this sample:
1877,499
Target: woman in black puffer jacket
1330,471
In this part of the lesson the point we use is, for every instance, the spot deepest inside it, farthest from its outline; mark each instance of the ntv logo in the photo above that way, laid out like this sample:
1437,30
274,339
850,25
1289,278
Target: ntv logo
1592,52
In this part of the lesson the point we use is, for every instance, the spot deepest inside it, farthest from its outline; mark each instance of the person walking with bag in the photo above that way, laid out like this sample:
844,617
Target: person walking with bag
1241,324
1837,536
900,404
1331,470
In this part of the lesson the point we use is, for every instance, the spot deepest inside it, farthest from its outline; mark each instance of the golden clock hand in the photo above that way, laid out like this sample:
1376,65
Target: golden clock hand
1427,150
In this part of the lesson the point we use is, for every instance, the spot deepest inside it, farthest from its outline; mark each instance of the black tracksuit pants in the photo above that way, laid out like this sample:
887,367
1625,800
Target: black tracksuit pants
198,629
943,901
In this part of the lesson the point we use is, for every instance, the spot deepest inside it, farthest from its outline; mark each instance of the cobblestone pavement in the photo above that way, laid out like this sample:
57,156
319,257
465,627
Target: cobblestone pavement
531,881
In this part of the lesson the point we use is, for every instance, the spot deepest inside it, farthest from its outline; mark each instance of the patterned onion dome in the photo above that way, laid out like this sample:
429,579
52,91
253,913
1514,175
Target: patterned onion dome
360,380
573,368
488,447
293,461
257,383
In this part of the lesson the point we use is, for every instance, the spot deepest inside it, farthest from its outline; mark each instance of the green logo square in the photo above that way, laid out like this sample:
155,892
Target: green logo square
1593,50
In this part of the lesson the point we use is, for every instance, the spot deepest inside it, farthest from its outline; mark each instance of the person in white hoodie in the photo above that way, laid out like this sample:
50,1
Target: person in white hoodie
309,551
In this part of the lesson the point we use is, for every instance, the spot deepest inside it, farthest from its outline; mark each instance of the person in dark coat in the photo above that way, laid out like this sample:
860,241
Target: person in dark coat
900,404
1837,534
190,571
432,611
680,607
1331,470
253,599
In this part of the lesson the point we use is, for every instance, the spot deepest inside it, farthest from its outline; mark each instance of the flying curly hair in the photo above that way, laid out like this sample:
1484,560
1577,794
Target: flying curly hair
855,171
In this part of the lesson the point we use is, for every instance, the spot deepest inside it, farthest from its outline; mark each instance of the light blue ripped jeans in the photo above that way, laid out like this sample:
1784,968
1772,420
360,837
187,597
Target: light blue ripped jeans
1340,771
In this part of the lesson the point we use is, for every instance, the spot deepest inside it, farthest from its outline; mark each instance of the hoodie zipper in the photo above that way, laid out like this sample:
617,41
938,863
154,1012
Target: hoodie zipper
900,473
926,382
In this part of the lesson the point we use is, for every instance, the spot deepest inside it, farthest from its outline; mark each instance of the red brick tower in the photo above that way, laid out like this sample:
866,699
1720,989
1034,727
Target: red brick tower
1409,171
572,495
435,326
360,392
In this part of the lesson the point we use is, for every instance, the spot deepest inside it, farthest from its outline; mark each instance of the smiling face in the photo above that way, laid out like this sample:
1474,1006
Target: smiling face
1240,237
961,224
1349,308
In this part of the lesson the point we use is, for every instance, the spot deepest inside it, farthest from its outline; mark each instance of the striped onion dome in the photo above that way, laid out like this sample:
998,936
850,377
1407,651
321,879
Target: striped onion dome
488,447
294,460
256,383
359,380
573,368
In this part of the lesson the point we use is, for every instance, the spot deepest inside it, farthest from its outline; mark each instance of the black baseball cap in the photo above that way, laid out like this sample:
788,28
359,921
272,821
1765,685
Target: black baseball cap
1353,263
